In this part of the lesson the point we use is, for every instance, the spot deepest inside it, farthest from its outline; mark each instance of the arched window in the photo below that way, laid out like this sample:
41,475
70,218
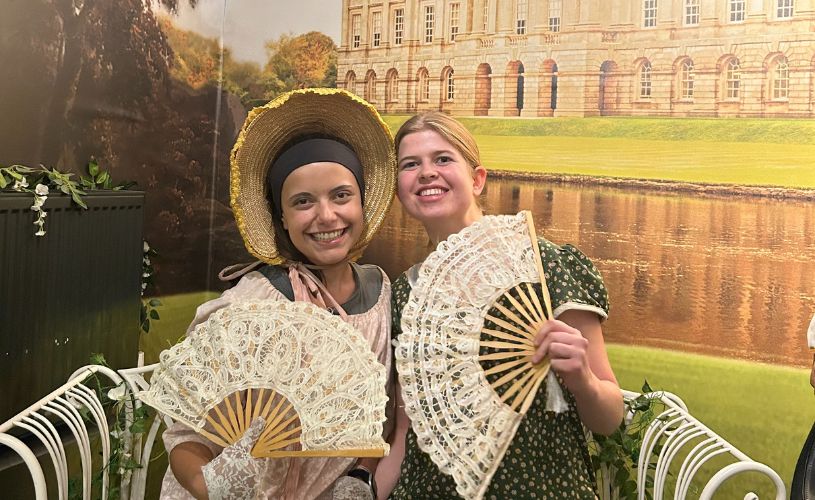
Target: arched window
370,86
392,87
645,80
686,79
351,82
732,79
780,79
483,89
424,85
448,84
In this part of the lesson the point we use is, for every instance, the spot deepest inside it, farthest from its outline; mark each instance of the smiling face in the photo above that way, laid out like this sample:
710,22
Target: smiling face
322,212
436,185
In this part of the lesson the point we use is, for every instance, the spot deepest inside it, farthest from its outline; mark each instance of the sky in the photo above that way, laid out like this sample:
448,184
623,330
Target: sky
250,23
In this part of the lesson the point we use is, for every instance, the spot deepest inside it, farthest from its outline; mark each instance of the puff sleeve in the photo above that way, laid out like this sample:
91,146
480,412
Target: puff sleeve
574,281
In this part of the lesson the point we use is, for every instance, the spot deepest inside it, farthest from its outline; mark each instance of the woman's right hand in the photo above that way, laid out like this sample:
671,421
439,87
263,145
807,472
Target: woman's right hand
234,474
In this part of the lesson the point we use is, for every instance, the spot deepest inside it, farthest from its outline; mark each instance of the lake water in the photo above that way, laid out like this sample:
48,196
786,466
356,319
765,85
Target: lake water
725,276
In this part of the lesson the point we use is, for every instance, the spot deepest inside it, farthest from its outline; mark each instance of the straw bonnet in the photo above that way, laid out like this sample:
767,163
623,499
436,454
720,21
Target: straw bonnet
329,112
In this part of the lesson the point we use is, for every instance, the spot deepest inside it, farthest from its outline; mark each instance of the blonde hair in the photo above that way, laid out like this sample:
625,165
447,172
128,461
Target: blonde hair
446,126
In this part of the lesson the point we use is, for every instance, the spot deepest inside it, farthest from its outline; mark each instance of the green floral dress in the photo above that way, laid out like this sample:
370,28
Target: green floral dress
548,457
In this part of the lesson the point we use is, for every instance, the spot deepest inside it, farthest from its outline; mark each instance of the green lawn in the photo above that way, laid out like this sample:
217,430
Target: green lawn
788,131
176,313
728,151
766,411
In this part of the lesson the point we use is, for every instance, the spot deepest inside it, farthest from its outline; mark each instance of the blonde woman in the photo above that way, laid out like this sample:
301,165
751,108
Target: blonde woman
440,178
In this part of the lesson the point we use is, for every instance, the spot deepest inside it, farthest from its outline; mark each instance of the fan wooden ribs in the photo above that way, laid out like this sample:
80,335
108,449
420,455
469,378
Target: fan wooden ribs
282,429
516,342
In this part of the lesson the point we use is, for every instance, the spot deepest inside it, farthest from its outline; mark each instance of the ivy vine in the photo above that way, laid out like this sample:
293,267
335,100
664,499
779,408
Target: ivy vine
619,452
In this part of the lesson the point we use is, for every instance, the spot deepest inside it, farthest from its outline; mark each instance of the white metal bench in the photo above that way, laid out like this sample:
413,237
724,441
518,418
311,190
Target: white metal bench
676,445
675,440
64,408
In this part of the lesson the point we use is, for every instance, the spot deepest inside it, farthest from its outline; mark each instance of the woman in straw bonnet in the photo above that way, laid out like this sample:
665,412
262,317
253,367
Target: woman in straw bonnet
313,176
439,180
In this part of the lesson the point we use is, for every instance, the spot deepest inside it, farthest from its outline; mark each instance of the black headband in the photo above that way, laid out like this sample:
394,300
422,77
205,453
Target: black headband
304,153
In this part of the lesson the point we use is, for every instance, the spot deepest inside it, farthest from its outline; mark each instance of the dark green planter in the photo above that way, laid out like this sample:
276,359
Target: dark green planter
73,292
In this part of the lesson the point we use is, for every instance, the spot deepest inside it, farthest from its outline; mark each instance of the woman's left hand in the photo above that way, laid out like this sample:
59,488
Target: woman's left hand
568,353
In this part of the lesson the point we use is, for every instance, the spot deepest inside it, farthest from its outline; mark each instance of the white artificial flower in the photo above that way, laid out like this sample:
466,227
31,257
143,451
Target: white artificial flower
36,207
117,393
19,185
41,189
41,232
146,247
147,261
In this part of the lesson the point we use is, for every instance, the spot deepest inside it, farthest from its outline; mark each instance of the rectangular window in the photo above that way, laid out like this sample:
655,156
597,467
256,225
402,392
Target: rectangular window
520,19
649,13
737,9
691,12
555,8
784,10
356,25
376,28
453,21
398,26
486,14
429,22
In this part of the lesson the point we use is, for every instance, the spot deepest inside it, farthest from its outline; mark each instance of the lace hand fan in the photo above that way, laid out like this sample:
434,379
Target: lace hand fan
310,375
474,291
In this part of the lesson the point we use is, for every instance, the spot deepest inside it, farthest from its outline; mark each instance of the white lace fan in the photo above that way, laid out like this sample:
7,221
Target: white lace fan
460,420
310,375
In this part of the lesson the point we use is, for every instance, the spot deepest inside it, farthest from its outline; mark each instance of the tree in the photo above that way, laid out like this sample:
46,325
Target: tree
96,78
197,60
117,45
308,60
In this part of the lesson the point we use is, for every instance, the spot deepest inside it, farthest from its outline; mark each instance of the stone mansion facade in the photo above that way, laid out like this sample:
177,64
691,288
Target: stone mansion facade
581,57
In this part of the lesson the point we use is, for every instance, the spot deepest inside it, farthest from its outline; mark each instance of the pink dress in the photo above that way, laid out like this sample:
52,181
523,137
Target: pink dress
288,478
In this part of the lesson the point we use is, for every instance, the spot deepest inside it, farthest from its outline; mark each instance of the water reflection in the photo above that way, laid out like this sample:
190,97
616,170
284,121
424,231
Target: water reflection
730,277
